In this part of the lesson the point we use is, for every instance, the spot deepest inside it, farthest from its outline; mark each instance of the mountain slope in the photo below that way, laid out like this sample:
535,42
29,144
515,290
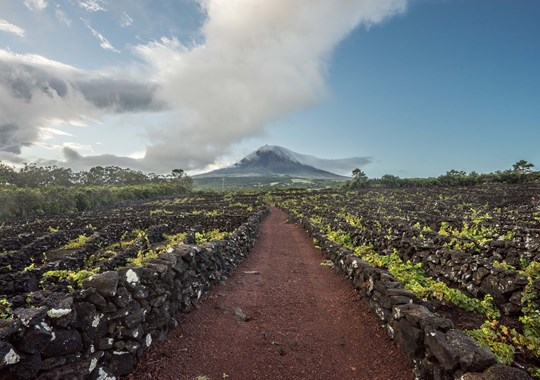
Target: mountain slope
272,161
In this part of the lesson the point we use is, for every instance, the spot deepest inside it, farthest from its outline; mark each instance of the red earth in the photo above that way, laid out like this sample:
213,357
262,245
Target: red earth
281,315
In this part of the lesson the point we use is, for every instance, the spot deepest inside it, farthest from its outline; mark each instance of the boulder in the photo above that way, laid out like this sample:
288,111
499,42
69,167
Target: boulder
35,339
122,363
408,338
31,316
105,283
455,349
28,368
65,342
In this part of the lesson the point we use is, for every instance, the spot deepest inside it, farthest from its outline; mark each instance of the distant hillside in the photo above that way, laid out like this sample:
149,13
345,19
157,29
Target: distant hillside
272,161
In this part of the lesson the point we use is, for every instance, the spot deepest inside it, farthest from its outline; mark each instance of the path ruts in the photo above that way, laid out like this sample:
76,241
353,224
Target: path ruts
294,319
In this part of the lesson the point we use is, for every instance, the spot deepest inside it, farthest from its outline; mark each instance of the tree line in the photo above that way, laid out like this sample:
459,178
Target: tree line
34,176
34,191
521,172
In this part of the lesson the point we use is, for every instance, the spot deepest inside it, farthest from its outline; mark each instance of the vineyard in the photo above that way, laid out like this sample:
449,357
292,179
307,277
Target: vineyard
87,294
62,278
472,255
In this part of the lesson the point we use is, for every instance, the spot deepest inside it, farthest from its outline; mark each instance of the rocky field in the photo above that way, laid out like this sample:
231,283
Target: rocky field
84,296
472,254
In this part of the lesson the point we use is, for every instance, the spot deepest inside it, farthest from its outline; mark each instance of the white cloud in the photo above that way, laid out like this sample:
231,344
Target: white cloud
11,28
258,62
38,94
137,155
48,133
103,42
35,5
93,5
62,17
126,20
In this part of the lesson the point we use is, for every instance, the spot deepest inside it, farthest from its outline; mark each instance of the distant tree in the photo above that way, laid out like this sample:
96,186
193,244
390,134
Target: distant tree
178,173
389,180
7,174
523,167
453,178
180,177
360,179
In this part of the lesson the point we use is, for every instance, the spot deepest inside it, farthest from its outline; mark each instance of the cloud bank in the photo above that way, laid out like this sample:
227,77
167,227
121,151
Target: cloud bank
259,60
36,93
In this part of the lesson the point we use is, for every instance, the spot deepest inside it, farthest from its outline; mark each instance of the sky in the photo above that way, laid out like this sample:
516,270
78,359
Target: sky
406,87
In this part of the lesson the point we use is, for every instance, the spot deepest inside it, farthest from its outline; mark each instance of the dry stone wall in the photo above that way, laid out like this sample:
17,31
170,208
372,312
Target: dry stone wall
102,330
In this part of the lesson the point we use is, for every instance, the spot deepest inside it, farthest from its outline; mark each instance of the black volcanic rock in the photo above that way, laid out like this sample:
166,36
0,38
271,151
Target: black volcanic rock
272,161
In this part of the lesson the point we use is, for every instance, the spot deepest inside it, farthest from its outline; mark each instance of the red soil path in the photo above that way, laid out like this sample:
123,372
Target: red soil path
294,319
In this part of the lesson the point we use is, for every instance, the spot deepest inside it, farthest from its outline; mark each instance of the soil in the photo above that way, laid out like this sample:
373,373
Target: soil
281,315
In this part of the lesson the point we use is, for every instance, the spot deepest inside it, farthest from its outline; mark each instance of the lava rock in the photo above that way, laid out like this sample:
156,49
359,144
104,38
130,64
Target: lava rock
454,348
28,368
8,355
497,372
122,363
105,283
31,316
35,339
408,338
9,327
65,342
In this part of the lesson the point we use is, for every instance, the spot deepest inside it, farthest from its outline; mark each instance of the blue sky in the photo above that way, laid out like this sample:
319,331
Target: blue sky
420,86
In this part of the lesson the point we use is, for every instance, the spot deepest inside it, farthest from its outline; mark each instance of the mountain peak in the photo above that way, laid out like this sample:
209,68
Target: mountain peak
267,151
273,161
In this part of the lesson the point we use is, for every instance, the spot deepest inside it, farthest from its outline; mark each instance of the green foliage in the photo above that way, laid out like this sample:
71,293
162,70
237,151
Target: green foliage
206,236
69,275
353,220
175,239
497,339
53,200
521,172
160,212
503,265
34,176
523,166
143,257
78,242
360,179
413,276
530,310
470,236
5,309
30,267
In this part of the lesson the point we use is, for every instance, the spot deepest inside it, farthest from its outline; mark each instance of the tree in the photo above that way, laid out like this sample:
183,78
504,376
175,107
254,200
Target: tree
360,179
389,180
7,174
523,167
178,173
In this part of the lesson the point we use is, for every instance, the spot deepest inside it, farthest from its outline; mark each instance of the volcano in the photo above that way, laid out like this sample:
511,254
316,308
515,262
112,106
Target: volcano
274,161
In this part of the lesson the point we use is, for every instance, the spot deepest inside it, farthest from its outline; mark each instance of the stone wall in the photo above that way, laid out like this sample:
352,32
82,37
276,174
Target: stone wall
101,331
435,349
473,273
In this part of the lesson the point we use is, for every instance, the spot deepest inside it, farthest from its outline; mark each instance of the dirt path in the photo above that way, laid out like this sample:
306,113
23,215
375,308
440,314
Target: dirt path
294,319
